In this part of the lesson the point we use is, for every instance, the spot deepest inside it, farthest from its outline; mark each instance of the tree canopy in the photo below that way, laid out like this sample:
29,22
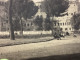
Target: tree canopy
55,7
75,20
24,8
47,23
38,21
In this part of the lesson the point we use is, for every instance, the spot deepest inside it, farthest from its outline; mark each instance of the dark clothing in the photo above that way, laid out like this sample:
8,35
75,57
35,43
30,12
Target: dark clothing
57,36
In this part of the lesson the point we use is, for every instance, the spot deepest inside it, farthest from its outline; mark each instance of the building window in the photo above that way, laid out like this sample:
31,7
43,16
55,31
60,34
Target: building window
27,24
69,28
58,24
71,13
63,24
61,29
66,29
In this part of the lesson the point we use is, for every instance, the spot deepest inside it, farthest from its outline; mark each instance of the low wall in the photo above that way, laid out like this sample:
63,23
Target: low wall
27,32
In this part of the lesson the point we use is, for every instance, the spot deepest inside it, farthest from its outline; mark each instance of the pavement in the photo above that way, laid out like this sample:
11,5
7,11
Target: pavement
66,46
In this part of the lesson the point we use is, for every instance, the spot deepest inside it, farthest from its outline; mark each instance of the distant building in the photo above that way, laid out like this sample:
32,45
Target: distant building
3,19
64,22
28,25
40,12
4,26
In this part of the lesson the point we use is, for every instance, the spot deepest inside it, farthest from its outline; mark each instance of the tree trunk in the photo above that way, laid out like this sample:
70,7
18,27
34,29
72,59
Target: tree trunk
21,28
52,27
12,37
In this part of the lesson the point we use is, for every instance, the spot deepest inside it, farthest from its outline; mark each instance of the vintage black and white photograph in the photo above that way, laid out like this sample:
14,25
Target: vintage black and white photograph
39,29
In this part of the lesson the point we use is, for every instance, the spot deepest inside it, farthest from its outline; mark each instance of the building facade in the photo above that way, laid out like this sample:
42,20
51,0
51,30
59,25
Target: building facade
3,18
64,22
28,25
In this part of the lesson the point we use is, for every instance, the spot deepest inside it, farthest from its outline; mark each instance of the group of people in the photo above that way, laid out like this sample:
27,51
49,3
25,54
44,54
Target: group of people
58,34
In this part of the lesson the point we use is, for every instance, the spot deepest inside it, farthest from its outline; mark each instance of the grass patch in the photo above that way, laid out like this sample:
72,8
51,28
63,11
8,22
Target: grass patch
25,36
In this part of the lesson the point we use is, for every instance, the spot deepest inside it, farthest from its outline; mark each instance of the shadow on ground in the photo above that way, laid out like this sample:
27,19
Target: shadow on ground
58,57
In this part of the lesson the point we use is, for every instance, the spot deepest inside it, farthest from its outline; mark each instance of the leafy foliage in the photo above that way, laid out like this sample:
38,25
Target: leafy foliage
47,23
76,21
24,8
16,25
55,7
39,22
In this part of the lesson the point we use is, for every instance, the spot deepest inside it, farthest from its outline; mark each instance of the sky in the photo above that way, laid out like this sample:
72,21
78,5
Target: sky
37,0
3,0
33,0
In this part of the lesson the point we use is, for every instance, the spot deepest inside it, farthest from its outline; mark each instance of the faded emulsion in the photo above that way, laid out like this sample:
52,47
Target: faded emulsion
39,29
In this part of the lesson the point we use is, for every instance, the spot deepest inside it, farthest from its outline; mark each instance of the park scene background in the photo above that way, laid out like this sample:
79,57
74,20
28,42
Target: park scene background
40,29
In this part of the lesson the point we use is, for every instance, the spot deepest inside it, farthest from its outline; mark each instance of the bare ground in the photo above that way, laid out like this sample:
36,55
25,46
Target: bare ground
67,48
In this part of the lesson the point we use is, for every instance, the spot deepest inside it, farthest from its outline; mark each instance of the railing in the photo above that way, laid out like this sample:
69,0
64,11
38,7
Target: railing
27,32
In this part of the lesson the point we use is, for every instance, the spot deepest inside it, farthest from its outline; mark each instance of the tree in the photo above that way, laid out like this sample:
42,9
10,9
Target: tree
39,22
55,8
47,23
75,21
23,9
10,21
16,25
